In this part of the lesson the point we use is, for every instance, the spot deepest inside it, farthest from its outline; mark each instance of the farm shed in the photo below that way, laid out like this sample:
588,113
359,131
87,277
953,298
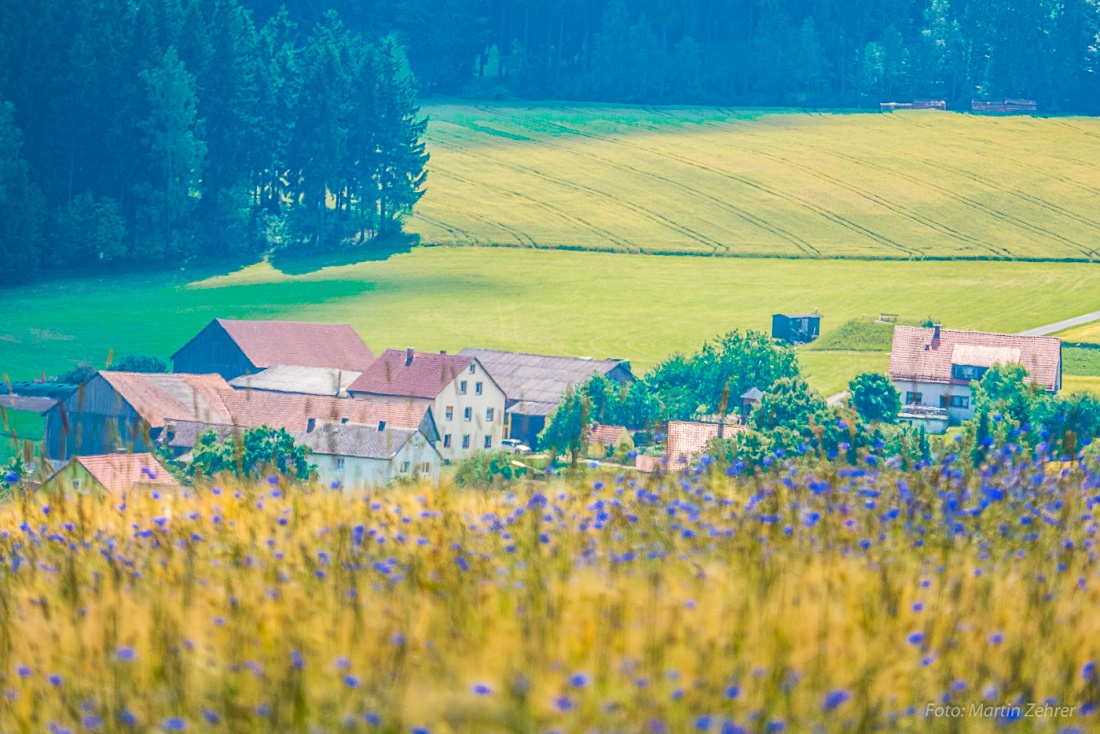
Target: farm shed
603,438
688,439
932,368
466,402
128,411
534,384
111,474
329,381
796,328
355,457
234,348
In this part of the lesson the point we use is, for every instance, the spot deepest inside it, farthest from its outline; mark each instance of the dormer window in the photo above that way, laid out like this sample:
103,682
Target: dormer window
966,372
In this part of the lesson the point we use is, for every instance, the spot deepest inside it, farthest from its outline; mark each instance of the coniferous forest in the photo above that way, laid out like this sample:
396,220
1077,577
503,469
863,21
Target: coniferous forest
149,132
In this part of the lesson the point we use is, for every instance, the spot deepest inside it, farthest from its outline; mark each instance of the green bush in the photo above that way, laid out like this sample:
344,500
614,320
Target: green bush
485,469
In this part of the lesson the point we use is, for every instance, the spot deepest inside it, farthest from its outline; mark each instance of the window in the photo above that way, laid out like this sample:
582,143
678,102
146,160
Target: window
489,415
447,441
467,414
477,388
405,467
966,372
488,442
466,441
425,468
339,462
960,401
472,368
450,412
913,398
462,388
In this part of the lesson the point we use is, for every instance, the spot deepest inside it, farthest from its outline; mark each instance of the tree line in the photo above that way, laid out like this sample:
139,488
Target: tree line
153,132
836,53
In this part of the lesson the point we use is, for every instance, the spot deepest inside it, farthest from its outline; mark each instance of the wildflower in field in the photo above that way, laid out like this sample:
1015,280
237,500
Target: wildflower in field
351,681
834,699
174,723
11,477
1088,671
915,638
22,671
125,654
996,638
127,718
733,692
481,689
578,680
372,718
55,680
563,703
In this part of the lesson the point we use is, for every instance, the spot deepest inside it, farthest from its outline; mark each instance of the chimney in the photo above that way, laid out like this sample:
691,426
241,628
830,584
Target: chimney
408,356
936,331
381,425
443,352
310,425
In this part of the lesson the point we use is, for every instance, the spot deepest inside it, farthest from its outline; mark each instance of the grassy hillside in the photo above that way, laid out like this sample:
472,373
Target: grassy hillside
634,306
709,181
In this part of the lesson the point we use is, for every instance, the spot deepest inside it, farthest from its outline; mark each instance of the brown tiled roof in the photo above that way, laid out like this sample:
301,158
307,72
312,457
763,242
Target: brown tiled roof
688,438
605,435
161,397
120,472
425,377
302,344
254,408
916,355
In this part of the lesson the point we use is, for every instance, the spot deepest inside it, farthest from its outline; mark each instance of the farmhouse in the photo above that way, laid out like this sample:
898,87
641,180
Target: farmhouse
329,381
234,348
466,402
128,411
687,439
110,474
932,368
796,328
354,456
534,384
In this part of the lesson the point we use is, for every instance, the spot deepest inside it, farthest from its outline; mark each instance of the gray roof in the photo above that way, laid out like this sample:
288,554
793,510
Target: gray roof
532,407
752,393
301,380
33,404
539,378
184,434
350,439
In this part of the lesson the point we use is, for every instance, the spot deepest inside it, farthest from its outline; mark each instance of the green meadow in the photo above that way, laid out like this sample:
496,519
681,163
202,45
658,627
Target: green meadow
641,307
905,185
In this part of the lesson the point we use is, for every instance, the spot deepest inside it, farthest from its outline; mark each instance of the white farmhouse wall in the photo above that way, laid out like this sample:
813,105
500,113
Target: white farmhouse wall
479,426
931,392
416,460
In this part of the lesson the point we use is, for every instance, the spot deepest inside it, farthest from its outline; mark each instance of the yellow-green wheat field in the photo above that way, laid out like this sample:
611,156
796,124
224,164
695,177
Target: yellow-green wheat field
828,599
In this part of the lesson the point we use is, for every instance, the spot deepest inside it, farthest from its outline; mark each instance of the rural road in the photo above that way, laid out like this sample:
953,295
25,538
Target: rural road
1061,325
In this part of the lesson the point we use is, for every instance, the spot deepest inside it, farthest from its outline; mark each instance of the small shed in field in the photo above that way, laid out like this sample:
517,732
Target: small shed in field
796,328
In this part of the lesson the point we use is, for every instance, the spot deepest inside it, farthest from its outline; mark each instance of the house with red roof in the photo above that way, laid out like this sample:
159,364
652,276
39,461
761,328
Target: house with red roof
466,402
233,348
933,367
111,474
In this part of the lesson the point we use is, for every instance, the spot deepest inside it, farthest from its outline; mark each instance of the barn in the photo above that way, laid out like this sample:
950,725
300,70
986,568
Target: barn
234,348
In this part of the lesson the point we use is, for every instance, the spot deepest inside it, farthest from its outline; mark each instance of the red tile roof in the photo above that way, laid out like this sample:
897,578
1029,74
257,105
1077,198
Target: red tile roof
301,344
916,355
161,397
425,377
254,408
120,472
606,435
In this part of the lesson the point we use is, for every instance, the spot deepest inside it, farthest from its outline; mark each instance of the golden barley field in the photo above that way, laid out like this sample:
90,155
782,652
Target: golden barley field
904,185
835,598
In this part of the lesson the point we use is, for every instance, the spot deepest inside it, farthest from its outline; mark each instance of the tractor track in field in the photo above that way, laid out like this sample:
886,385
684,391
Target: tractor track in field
789,198
1014,162
742,214
448,227
659,219
573,219
877,200
987,210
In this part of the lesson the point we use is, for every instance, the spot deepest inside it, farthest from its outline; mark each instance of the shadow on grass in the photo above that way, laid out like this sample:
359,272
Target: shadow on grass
302,263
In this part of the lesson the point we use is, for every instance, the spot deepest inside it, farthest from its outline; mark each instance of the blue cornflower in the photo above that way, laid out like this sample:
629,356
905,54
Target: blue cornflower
834,699
702,723
563,703
11,477
996,638
210,717
1088,671
125,654
351,681
481,689
22,671
578,680
55,679
174,723
733,691
372,718
915,638
91,723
